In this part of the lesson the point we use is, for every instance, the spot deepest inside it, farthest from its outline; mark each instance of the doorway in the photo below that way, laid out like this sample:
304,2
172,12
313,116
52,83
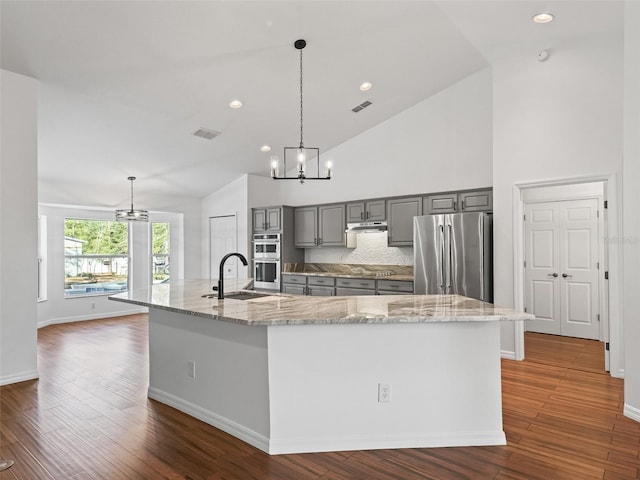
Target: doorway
223,239
569,236
562,288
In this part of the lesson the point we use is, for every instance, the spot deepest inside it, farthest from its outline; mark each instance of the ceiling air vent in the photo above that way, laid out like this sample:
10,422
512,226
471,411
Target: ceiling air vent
362,106
206,134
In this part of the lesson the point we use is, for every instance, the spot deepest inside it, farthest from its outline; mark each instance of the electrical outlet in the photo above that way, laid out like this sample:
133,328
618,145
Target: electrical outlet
191,371
384,392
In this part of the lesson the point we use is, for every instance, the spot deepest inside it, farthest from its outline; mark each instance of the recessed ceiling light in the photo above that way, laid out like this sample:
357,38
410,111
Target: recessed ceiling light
366,86
265,148
543,18
236,104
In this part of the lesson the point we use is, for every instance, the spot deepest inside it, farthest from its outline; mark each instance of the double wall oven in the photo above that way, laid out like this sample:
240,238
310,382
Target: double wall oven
266,261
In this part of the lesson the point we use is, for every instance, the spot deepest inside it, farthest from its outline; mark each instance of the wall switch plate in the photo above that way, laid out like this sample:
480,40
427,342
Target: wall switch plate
192,369
384,392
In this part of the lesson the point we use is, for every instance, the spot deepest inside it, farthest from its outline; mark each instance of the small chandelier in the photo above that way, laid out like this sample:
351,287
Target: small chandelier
301,155
132,215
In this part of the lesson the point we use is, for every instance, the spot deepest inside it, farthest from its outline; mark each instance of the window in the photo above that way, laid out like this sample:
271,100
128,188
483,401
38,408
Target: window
160,252
96,257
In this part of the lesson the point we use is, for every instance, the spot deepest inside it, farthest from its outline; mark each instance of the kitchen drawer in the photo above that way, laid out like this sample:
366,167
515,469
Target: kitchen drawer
297,279
348,292
294,289
325,281
319,291
395,292
356,283
395,286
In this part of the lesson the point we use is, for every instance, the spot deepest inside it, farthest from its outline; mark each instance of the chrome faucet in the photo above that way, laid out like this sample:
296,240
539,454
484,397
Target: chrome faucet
221,276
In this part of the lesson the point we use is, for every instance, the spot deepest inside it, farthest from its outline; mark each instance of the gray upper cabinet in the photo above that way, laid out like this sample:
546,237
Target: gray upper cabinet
306,226
479,201
454,202
267,220
400,213
355,212
373,210
443,203
320,226
332,225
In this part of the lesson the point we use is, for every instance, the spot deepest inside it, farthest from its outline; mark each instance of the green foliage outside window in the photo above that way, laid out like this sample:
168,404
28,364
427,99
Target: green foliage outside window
99,237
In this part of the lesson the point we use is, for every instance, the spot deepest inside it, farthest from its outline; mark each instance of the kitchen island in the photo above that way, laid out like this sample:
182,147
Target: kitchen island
292,374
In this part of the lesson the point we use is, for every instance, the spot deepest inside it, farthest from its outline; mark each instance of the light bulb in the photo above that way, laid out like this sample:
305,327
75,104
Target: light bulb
274,166
329,165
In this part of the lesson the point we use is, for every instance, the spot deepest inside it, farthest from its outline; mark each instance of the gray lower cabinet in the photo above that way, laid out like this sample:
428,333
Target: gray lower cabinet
293,289
395,287
400,213
308,285
315,291
320,226
355,286
374,210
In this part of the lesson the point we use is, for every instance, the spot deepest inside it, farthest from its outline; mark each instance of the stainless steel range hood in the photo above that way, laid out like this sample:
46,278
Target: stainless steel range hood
366,227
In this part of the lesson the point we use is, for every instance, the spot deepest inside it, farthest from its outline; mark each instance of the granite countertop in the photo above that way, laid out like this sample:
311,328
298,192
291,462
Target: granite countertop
185,297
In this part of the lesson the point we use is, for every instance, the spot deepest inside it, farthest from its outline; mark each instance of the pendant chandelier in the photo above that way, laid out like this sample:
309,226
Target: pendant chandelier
132,215
301,156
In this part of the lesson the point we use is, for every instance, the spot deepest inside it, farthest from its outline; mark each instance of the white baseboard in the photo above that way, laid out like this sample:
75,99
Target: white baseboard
377,442
95,316
508,354
631,412
233,428
19,377
618,373
329,444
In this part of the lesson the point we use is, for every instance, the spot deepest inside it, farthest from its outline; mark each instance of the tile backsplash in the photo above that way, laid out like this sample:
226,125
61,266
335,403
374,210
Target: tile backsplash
372,249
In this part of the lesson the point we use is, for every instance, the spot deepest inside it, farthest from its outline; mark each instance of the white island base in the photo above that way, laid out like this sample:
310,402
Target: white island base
314,388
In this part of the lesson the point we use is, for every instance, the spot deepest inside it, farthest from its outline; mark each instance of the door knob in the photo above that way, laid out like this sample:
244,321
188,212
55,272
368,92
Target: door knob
554,275
564,275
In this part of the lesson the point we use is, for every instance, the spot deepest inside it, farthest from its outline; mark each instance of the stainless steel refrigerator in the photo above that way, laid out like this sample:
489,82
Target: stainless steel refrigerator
453,253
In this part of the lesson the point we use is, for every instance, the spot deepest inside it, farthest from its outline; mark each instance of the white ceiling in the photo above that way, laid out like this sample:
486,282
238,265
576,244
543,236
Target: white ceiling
123,85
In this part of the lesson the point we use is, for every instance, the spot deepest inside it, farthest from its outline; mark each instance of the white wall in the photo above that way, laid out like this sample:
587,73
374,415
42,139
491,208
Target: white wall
631,183
556,119
232,199
442,143
18,228
57,308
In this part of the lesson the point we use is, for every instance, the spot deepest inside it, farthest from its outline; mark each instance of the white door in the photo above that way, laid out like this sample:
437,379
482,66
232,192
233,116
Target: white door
223,239
561,270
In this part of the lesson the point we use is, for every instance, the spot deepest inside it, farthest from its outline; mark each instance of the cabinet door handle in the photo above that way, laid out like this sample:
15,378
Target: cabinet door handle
346,283
454,205
461,204
361,215
393,286
564,275
364,284
554,275
367,215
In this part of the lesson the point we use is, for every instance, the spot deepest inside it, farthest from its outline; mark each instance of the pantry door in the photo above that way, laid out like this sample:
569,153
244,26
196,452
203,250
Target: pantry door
561,268
223,239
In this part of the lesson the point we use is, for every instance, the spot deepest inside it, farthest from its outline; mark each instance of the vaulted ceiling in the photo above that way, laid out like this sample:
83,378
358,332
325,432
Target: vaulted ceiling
124,85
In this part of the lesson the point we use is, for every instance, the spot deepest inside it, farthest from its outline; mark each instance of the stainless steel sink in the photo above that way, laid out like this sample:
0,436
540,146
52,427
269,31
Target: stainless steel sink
239,295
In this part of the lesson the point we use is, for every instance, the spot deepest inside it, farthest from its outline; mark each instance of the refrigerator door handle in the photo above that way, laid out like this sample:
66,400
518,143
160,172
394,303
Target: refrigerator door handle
442,258
449,259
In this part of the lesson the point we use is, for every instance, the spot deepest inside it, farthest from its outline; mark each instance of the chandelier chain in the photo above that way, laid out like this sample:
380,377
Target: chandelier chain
301,143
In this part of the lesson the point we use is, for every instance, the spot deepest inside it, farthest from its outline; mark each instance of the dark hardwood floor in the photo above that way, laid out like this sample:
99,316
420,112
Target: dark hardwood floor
88,417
